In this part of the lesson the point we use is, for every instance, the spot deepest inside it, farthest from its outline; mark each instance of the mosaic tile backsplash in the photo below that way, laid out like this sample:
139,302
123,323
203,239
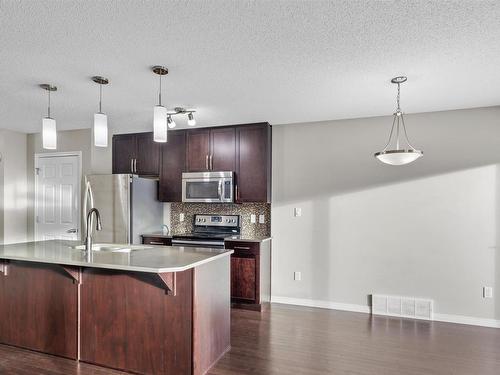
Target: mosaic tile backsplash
244,210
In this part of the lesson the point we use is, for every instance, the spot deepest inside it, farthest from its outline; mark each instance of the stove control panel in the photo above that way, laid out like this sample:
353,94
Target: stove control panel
217,220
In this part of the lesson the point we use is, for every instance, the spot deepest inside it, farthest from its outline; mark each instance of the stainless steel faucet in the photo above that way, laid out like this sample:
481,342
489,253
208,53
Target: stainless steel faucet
98,226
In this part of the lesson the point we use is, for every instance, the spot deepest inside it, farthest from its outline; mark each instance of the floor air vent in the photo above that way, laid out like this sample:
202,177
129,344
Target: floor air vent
406,307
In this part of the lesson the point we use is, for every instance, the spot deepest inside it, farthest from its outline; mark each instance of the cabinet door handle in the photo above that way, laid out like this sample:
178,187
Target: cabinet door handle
131,165
135,165
155,243
242,248
237,198
211,162
206,162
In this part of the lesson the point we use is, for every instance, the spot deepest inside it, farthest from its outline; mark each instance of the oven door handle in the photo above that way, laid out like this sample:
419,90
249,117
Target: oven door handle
195,243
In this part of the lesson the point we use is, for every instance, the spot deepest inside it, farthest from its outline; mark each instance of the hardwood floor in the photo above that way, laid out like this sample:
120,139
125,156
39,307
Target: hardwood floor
297,340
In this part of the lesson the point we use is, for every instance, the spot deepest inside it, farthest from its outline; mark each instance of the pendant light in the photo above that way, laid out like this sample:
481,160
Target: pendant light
160,112
399,155
49,131
100,119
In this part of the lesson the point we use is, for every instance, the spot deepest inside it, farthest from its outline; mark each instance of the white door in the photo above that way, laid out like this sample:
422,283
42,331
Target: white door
57,197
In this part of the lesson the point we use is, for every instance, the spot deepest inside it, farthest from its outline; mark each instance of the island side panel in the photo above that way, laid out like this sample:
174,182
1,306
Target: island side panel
129,322
211,314
39,309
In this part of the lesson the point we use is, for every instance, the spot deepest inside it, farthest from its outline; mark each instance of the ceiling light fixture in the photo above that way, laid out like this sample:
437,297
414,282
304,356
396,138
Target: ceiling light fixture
191,120
181,111
170,121
398,156
100,119
160,112
49,130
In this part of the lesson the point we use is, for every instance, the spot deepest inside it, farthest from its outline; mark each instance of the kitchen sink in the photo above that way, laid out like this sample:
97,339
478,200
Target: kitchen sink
113,248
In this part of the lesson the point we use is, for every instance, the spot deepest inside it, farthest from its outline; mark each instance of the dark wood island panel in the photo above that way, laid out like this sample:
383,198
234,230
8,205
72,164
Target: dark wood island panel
130,322
39,308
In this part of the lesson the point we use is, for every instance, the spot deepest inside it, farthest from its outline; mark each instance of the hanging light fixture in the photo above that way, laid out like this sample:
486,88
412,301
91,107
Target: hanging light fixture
399,155
49,130
160,112
171,123
100,119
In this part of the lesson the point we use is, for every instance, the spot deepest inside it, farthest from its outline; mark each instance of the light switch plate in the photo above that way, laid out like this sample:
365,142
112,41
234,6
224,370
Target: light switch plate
262,219
297,212
297,275
253,218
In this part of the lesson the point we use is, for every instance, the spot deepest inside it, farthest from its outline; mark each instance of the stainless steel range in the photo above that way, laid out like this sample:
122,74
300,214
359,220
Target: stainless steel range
209,231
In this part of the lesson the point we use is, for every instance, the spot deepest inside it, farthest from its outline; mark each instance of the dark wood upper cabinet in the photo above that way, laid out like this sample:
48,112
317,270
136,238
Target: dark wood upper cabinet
136,153
172,164
223,149
244,149
124,153
147,155
198,150
253,169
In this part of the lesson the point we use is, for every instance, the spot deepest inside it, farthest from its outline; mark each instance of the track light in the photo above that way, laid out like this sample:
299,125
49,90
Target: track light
171,123
191,120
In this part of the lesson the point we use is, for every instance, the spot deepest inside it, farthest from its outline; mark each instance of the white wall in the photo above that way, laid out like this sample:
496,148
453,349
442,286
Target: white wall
13,185
429,229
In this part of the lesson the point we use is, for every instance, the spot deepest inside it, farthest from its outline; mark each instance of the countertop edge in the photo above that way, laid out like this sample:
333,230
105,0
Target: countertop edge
121,268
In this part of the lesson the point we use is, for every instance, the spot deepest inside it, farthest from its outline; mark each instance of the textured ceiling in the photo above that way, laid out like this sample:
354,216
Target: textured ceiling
245,61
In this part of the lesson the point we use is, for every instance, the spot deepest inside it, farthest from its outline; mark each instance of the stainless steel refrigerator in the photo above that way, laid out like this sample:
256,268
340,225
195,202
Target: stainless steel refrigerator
128,206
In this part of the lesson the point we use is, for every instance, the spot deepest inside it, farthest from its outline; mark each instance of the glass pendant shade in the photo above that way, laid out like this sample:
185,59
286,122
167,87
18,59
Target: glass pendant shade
100,130
49,133
160,124
398,157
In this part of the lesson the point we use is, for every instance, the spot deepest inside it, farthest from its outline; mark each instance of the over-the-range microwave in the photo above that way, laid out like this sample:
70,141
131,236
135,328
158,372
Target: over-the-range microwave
208,187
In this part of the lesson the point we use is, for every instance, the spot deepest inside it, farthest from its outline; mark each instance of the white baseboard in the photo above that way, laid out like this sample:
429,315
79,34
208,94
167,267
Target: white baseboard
448,318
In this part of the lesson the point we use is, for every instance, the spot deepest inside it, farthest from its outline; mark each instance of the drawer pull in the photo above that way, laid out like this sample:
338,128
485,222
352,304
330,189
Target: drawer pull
156,243
242,248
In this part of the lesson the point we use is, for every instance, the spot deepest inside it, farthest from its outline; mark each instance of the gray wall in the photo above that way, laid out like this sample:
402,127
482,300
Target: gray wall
13,205
428,229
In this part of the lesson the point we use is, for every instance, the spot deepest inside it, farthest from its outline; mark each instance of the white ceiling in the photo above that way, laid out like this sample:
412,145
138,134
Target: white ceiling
245,61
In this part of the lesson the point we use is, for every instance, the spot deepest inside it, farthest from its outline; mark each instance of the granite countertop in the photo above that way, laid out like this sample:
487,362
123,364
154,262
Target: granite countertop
244,238
140,258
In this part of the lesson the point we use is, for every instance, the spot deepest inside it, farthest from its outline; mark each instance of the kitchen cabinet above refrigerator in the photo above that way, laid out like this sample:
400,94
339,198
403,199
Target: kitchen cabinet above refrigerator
244,149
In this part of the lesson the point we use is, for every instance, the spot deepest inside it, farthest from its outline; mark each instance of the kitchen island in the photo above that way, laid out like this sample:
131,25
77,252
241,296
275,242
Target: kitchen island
147,310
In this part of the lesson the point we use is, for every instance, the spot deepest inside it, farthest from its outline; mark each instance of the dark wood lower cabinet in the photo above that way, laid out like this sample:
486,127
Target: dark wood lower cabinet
250,274
39,308
145,323
128,322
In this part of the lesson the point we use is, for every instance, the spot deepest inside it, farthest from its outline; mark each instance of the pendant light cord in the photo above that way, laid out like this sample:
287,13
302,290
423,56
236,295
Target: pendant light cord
159,94
48,108
100,97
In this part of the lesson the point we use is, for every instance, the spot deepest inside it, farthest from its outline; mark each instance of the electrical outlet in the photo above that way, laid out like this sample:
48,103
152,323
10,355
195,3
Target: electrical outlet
181,217
253,218
487,292
297,275
297,212
262,219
